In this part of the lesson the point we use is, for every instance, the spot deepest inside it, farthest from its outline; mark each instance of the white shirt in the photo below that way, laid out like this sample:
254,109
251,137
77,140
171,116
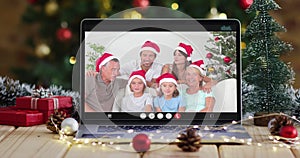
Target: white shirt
130,103
153,72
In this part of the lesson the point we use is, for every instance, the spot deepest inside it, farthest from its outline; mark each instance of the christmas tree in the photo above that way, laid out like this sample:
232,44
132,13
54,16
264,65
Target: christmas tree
93,55
53,36
221,55
267,80
54,40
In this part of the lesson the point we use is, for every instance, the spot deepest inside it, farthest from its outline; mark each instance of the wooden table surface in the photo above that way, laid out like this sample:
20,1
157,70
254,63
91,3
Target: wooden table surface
37,141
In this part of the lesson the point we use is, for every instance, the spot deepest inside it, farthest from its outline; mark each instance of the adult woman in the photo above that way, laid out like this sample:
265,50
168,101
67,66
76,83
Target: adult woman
182,59
196,99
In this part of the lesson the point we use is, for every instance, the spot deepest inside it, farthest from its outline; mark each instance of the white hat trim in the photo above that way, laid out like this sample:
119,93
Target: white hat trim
200,69
106,60
137,76
149,48
181,49
168,80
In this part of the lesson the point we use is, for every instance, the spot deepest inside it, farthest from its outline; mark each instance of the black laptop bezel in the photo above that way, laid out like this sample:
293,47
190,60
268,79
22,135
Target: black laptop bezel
157,25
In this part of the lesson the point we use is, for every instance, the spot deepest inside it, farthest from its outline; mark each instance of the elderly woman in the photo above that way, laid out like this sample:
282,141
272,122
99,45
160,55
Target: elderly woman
196,99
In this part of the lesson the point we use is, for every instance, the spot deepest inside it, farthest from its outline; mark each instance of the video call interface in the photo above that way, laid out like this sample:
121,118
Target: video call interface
124,96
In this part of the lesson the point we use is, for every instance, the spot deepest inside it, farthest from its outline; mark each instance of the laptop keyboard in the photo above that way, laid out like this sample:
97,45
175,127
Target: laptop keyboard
157,129
140,128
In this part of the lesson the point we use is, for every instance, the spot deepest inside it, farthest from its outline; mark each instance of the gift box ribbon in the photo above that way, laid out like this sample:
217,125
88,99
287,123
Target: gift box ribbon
34,103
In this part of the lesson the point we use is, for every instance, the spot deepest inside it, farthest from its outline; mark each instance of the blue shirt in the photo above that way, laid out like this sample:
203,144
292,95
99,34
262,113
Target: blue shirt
171,105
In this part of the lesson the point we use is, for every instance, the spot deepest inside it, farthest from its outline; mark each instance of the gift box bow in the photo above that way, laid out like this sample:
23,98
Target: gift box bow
41,93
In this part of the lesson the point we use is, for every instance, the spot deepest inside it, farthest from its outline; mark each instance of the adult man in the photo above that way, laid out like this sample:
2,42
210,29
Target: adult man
101,89
148,53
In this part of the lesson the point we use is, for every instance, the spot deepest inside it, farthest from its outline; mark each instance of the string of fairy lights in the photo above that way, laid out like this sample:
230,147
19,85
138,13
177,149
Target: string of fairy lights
275,142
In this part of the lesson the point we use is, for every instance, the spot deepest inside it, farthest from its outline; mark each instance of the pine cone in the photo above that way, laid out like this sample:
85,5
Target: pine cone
189,141
55,120
278,122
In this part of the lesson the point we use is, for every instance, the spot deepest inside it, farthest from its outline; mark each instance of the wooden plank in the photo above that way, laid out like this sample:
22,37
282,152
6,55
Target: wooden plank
244,151
259,134
30,142
90,151
210,151
207,151
5,131
296,151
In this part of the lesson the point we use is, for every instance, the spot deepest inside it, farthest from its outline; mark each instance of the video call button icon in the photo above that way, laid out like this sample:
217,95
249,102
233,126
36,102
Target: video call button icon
143,115
177,116
160,116
168,115
151,115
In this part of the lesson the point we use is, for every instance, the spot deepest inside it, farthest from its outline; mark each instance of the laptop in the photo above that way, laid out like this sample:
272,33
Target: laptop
123,38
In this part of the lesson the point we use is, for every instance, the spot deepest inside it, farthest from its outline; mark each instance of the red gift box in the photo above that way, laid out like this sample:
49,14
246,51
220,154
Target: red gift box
16,117
44,104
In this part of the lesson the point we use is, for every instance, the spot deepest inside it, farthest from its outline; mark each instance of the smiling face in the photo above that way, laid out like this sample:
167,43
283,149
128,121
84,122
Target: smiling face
137,86
179,58
147,58
110,70
168,88
193,77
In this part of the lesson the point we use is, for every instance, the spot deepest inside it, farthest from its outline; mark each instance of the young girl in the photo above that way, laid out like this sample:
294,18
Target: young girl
137,100
197,99
169,99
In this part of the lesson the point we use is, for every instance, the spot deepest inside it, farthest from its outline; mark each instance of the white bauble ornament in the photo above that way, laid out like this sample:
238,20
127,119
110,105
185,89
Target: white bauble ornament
69,126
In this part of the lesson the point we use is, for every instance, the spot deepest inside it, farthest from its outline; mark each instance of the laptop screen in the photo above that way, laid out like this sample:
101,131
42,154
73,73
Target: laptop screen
118,92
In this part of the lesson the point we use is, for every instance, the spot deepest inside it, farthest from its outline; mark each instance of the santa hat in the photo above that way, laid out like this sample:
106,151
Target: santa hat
166,77
149,45
187,49
138,74
105,58
199,65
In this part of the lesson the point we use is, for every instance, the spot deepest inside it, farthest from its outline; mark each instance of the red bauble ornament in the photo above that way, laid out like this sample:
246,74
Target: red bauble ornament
227,60
288,132
217,39
63,34
141,3
244,4
209,55
141,143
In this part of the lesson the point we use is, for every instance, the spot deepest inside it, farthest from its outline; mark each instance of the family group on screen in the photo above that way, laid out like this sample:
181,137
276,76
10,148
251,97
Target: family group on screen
150,86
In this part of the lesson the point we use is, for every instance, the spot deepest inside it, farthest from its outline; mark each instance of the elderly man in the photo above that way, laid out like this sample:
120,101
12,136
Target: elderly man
148,53
101,89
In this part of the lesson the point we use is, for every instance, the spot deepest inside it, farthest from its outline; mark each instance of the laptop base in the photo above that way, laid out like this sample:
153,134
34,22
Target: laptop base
234,134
